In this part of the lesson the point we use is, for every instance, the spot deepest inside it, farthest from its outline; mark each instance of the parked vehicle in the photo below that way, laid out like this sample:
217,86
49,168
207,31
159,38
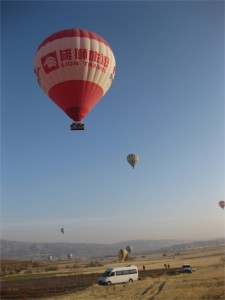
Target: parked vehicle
119,275
186,268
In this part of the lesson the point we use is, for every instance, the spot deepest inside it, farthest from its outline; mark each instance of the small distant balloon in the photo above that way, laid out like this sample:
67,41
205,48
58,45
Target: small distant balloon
63,230
132,159
129,249
50,257
70,256
222,204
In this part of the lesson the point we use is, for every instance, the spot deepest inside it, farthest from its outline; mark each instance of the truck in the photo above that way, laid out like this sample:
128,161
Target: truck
119,275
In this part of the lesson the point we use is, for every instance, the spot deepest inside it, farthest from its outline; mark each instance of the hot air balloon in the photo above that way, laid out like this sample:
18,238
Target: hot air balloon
70,256
75,68
50,257
222,204
132,159
63,230
129,249
123,255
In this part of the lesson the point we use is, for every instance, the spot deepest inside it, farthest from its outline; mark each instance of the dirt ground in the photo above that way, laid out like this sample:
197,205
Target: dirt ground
60,285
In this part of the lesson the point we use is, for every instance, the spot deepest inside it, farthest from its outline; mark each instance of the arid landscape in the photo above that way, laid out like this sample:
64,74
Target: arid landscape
78,279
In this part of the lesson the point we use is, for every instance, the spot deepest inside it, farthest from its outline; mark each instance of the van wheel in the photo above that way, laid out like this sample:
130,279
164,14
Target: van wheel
109,282
130,280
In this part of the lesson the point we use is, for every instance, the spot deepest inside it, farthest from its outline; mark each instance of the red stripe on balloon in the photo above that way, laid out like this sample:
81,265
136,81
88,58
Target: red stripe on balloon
73,33
76,97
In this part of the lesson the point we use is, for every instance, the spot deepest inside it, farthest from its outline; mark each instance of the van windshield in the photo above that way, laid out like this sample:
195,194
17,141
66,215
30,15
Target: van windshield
106,274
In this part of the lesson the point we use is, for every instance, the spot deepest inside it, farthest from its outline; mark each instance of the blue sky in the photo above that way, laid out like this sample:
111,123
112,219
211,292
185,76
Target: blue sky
166,104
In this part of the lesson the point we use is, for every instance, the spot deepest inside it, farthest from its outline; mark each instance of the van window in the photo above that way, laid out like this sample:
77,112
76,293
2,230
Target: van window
112,274
106,274
126,272
133,271
119,273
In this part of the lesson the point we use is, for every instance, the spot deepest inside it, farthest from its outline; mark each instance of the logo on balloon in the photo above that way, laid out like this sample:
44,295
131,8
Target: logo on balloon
50,62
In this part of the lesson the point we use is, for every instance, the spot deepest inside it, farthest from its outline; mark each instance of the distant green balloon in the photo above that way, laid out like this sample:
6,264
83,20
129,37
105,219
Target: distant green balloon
132,159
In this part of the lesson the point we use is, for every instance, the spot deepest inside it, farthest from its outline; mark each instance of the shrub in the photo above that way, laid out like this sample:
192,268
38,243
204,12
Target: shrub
53,268
28,271
36,264
95,264
75,266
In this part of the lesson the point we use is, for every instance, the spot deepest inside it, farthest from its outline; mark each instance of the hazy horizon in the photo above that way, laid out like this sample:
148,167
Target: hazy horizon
119,229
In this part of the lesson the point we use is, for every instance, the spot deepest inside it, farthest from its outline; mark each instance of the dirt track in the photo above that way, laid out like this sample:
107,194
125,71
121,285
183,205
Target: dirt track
59,285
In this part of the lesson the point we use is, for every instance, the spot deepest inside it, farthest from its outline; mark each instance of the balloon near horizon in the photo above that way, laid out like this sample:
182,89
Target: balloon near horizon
63,230
123,255
222,204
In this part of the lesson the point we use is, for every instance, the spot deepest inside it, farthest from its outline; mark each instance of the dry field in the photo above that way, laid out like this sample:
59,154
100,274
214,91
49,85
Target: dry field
71,280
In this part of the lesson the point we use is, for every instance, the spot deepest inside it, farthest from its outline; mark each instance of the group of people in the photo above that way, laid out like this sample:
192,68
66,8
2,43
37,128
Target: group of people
166,266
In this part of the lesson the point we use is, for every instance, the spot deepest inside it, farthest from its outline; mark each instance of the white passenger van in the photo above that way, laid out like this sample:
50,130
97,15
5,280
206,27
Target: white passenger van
119,275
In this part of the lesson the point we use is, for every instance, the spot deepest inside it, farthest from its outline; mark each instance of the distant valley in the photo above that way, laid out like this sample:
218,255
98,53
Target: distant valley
25,250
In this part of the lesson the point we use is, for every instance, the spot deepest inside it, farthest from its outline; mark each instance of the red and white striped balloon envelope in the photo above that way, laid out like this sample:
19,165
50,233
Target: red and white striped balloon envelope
75,68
